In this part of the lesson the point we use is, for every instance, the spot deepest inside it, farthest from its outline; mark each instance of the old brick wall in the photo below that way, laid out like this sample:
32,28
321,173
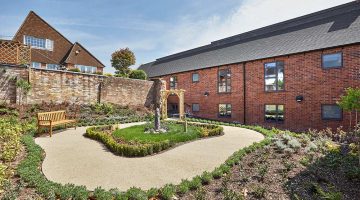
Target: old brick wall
125,91
8,77
303,76
64,86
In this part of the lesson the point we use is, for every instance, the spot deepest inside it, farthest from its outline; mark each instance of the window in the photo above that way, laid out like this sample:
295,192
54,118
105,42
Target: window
173,82
333,60
274,76
39,43
331,112
52,66
195,77
224,110
224,81
274,113
86,69
195,107
36,65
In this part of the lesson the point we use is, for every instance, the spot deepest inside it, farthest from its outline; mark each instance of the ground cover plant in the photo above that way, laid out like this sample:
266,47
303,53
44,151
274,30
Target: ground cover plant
137,141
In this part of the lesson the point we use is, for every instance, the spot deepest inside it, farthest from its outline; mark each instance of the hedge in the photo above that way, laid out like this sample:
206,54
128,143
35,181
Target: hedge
29,170
140,150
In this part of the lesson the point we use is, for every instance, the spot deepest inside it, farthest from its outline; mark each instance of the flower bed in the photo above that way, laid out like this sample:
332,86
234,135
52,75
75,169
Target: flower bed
148,144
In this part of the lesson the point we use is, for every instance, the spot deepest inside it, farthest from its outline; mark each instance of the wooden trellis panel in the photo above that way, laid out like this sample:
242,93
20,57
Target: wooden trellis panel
14,53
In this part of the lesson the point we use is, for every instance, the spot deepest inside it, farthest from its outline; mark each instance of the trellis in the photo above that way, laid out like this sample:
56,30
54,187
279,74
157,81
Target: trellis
164,96
16,53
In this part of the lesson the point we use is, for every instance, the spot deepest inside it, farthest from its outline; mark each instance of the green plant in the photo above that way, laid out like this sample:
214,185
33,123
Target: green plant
2,175
195,183
262,170
167,192
121,60
138,74
183,187
206,178
74,70
200,194
136,194
331,195
259,192
152,193
24,87
217,173
231,195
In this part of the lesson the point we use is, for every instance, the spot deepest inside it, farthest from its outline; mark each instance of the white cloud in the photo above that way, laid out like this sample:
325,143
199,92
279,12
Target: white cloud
249,15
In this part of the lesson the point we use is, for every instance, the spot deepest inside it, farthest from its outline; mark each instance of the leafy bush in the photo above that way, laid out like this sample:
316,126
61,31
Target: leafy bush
10,135
167,192
195,183
101,194
206,178
138,74
2,175
183,187
74,70
136,194
152,193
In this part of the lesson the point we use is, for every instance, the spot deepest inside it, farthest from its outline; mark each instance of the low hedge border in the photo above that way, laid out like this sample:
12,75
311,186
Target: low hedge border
97,133
29,170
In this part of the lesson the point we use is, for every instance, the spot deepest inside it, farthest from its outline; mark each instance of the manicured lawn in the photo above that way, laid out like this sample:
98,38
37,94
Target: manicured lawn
175,134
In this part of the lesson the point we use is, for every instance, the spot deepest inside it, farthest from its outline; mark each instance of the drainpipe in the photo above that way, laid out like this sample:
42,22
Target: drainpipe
244,91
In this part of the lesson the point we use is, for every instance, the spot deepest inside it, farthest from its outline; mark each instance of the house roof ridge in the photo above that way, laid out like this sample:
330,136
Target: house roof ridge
238,38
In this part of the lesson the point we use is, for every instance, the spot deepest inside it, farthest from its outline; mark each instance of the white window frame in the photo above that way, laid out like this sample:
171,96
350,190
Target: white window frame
48,44
33,65
57,66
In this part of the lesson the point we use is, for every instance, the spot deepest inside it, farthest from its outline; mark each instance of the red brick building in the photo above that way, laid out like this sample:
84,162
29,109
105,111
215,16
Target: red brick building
288,75
51,50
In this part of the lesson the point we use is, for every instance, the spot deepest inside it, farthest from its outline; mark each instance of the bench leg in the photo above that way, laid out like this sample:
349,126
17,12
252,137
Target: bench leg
38,130
50,131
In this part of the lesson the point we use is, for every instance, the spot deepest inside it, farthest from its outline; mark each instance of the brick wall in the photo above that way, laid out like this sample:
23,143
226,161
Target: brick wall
303,76
65,86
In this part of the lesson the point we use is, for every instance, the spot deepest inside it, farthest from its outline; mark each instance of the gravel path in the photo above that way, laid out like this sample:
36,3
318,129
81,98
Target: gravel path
72,158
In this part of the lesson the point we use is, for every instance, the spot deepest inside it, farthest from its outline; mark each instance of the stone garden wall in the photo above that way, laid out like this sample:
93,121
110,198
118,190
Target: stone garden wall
64,86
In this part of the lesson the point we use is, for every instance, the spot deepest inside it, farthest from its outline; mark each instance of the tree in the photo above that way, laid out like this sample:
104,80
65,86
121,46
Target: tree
24,87
138,74
121,60
350,102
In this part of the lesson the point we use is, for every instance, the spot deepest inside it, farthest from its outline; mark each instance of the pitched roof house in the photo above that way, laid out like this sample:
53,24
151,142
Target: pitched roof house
51,50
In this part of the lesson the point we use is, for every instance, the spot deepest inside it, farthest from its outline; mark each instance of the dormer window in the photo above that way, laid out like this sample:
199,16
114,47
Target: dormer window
39,43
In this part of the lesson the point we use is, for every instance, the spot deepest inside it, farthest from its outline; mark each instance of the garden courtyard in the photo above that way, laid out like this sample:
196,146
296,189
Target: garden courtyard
115,153
73,158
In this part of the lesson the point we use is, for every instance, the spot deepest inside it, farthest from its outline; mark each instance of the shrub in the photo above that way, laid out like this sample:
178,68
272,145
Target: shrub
294,143
152,193
74,70
167,192
101,194
2,175
231,195
136,194
195,183
259,192
217,173
183,187
138,74
200,194
10,131
206,178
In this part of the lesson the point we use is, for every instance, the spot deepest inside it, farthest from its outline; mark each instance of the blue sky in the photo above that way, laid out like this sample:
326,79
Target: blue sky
153,28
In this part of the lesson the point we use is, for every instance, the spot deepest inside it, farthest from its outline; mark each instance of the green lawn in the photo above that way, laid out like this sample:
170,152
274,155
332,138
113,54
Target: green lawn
175,134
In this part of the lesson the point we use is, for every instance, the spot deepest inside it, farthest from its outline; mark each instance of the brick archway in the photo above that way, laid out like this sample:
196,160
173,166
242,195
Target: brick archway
164,96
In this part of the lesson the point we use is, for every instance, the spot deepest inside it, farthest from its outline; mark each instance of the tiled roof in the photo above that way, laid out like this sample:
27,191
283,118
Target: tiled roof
332,27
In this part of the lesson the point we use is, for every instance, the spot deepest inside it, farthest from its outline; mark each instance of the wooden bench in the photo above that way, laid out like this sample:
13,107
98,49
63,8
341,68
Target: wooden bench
51,119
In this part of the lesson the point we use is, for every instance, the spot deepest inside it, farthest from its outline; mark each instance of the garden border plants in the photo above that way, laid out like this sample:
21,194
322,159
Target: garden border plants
30,171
